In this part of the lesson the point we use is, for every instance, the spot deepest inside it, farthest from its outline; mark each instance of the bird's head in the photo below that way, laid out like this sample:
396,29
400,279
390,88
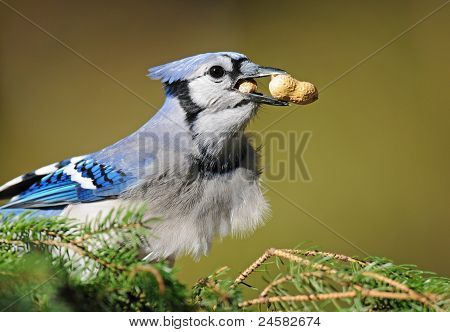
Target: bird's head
206,86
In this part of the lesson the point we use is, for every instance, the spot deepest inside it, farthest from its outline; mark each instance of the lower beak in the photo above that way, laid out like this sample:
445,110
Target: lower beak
259,97
262,99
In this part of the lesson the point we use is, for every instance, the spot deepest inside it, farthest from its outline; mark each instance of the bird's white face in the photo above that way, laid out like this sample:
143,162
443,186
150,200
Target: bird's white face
212,90
224,108
213,86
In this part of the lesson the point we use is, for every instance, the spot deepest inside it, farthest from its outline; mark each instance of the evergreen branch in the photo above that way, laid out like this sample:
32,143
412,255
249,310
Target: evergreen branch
316,288
59,265
337,295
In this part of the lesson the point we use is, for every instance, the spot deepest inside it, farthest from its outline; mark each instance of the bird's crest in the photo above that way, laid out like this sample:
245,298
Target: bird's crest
184,68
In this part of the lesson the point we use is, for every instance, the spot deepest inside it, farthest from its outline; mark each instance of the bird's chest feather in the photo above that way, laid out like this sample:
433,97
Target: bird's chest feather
193,212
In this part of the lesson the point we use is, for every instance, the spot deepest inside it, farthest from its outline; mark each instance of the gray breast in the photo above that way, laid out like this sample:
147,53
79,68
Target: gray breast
198,200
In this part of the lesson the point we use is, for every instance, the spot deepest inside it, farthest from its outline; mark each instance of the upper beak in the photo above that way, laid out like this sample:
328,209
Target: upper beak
268,71
260,71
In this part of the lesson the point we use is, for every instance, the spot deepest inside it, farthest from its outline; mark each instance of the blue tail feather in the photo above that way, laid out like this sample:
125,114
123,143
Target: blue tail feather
31,213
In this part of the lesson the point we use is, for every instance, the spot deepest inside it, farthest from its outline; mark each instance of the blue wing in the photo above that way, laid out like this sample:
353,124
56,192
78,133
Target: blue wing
81,181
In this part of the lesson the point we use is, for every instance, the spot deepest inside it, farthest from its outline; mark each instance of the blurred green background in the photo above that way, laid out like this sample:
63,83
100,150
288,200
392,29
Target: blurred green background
379,153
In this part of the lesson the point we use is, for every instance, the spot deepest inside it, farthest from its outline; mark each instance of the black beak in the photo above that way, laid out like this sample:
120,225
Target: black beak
258,97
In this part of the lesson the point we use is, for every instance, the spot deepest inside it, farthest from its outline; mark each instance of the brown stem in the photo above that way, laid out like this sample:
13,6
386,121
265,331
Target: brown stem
153,271
340,257
397,296
298,298
267,254
328,296
405,292
281,280
417,296
275,283
282,254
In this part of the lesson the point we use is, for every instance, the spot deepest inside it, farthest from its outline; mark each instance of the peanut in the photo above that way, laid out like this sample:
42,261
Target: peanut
248,86
285,87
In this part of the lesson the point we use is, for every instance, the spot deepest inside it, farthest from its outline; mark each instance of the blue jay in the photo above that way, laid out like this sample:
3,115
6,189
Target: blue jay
191,164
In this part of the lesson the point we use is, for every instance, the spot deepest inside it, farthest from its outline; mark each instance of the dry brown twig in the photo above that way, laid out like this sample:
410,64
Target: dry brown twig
403,292
336,295
413,295
282,253
281,280
153,271
212,285
340,257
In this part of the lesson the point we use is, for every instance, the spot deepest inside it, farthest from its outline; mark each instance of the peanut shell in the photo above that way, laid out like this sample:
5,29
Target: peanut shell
285,87
248,86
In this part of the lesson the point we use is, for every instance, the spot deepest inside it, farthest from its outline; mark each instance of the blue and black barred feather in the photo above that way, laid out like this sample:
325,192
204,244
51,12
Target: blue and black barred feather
26,180
93,182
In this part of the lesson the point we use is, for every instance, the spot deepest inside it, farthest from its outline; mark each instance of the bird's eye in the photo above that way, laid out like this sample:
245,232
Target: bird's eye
216,72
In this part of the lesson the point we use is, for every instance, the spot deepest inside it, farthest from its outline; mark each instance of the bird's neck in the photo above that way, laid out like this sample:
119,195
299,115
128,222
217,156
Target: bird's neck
225,157
214,145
